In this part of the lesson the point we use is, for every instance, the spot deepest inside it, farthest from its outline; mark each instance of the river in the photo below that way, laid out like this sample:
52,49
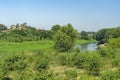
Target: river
87,47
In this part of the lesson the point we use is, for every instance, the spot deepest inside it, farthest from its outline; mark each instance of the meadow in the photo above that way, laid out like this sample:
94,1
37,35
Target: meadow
31,54
25,46
38,60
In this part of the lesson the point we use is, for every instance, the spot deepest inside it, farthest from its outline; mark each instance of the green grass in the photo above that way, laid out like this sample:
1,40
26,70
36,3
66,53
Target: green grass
44,45
29,49
26,46
85,41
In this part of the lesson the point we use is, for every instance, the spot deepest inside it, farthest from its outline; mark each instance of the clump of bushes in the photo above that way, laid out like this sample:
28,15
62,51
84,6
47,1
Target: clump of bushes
45,75
41,64
116,61
109,75
41,61
89,61
66,59
93,64
15,62
71,74
80,60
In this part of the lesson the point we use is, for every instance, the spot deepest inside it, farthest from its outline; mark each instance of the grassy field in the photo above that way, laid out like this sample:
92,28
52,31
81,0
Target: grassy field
59,64
85,41
26,46
46,45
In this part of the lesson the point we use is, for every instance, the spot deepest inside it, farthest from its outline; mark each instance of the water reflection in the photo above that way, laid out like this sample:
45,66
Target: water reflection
87,47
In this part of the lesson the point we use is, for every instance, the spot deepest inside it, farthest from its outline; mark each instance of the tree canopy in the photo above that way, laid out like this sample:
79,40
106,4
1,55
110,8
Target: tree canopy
64,38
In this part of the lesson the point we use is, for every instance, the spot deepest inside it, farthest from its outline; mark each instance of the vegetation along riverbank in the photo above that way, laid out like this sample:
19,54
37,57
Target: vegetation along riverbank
28,53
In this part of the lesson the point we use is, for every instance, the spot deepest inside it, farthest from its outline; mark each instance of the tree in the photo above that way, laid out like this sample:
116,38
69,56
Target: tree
2,27
104,34
55,28
64,38
84,35
70,31
93,64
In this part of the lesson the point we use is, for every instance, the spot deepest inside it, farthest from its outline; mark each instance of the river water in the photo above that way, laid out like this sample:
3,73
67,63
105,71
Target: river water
87,47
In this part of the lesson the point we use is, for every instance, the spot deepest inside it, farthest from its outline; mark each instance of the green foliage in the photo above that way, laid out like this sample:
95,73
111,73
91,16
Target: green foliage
87,77
62,57
103,52
107,52
105,34
109,75
41,62
116,61
64,38
71,74
12,63
54,29
2,27
44,75
45,34
70,31
114,43
93,64
84,35
63,42
66,59
7,78
80,60
20,35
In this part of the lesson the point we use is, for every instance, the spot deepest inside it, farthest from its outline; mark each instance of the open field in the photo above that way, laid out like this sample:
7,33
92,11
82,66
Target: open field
61,65
26,46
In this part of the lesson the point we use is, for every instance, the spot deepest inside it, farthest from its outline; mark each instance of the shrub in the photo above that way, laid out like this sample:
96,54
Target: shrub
66,59
44,75
114,43
71,74
80,60
116,60
107,52
86,77
62,57
7,78
41,64
65,38
12,63
63,42
93,64
109,75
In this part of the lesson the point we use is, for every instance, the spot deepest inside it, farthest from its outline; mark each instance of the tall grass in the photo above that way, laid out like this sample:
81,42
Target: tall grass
10,47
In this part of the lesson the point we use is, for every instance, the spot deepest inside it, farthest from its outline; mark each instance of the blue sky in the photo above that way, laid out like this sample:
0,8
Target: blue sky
88,15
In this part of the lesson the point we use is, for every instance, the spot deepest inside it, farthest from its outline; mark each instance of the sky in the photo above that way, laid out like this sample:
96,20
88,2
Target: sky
87,15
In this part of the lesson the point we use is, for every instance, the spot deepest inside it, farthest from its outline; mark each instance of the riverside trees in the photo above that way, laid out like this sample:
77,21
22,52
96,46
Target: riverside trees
65,38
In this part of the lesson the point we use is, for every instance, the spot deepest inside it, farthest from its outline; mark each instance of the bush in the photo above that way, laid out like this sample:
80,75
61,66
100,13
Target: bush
109,75
65,38
86,77
71,74
62,57
80,60
7,78
114,43
103,52
41,64
116,60
66,59
45,75
63,42
93,64
12,63
107,52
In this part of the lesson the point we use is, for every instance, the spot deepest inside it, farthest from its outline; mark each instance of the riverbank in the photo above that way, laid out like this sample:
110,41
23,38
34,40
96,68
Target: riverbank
85,41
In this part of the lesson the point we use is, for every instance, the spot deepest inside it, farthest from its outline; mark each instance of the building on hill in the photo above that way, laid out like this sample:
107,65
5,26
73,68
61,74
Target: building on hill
19,27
